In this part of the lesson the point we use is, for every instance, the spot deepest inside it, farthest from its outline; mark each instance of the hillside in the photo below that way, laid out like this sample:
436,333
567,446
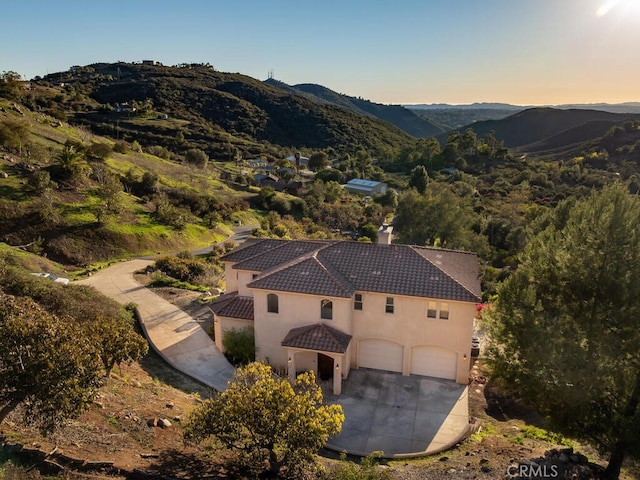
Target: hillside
398,115
111,205
194,105
536,124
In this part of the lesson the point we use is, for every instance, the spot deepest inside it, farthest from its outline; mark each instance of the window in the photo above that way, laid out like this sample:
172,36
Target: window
389,305
438,310
254,276
272,303
357,302
326,309
432,310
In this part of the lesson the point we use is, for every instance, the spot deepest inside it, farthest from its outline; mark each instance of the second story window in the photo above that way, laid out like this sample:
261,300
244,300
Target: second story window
357,301
326,310
272,303
389,305
432,310
444,311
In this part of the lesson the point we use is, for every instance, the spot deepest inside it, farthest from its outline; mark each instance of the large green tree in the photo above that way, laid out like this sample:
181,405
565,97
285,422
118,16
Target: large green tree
268,419
419,179
437,217
565,329
46,364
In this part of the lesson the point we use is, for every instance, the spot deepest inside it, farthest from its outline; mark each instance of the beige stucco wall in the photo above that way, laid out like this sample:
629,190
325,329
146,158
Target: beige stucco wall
223,324
295,310
409,326
230,277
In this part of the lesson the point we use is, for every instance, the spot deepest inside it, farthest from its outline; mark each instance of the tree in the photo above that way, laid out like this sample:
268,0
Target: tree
318,161
370,231
419,179
117,341
99,151
565,331
363,163
47,364
438,218
14,134
73,165
109,191
196,157
268,419
10,85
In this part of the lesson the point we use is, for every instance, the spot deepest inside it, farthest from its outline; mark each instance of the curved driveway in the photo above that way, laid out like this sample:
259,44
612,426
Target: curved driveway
176,336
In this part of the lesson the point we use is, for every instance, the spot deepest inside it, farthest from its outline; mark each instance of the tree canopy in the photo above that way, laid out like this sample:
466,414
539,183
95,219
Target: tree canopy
565,328
47,364
268,419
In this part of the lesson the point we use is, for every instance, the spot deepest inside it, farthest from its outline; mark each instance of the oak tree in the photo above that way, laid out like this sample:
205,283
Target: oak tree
565,329
47,365
268,419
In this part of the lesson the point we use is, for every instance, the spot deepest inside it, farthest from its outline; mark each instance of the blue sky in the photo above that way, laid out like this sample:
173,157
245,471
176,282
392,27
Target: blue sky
528,52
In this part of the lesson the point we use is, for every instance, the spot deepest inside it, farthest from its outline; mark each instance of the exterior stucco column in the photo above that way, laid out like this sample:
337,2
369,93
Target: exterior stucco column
337,375
291,366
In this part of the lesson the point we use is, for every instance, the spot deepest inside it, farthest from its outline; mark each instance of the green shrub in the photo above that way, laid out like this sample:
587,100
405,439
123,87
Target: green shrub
182,267
367,469
239,345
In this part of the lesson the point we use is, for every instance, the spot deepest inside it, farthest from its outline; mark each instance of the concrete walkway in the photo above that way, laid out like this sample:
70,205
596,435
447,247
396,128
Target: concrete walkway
176,336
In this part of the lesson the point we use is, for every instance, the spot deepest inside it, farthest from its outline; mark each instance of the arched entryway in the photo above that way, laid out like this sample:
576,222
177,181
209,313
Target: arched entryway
325,366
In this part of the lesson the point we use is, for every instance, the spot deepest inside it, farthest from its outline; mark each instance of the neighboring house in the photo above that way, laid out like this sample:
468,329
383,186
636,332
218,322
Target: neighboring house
365,187
330,306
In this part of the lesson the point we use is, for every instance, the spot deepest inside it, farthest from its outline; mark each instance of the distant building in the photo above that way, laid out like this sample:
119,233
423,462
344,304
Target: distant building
365,187
150,62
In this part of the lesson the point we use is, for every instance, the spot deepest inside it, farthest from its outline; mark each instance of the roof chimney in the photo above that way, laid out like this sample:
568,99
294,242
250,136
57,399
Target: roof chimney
385,234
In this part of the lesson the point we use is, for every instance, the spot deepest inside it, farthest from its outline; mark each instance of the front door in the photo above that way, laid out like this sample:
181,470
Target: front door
325,367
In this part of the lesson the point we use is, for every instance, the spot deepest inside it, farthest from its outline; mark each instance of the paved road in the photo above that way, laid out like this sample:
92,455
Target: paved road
176,336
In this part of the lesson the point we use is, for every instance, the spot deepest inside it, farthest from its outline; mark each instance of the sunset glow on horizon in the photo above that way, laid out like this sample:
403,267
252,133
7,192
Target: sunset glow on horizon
541,52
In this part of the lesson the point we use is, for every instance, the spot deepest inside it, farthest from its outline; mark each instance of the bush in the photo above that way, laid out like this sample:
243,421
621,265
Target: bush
239,345
368,469
184,268
121,147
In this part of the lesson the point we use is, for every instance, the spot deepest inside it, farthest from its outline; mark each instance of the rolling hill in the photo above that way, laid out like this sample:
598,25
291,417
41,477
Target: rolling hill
218,111
537,124
398,115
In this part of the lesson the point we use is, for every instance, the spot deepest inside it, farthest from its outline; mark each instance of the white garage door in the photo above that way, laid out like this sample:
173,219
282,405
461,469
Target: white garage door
380,354
434,362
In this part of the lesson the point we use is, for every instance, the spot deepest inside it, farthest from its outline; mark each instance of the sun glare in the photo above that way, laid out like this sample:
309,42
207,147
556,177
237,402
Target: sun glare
629,7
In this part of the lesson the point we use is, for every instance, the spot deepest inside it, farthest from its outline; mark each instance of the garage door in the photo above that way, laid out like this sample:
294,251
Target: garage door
380,354
434,362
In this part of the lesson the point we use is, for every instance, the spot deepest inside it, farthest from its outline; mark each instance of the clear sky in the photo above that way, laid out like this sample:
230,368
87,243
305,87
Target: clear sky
526,52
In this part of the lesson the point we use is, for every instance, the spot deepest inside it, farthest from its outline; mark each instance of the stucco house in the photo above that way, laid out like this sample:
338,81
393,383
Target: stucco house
330,306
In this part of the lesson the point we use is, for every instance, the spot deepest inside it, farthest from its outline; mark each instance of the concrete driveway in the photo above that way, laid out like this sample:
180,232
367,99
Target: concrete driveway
399,415
176,336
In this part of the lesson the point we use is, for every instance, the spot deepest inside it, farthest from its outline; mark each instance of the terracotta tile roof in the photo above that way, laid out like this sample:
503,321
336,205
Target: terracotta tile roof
317,337
251,248
307,275
233,305
341,268
460,266
280,254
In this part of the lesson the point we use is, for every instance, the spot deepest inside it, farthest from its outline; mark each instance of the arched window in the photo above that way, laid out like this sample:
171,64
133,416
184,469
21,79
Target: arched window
326,309
272,303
